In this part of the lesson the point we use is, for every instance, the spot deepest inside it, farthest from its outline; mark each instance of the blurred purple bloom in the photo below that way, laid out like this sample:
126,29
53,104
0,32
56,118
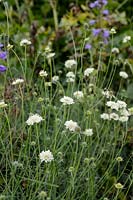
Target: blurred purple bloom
96,31
88,46
105,12
94,4
92,22
1,45
3,55
104,2
105,33
2,68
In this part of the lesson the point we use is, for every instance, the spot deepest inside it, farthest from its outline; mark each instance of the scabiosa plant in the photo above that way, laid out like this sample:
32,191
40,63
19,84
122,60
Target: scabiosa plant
72,126
3,55
88,46
46,156
2,68
34,118
67,100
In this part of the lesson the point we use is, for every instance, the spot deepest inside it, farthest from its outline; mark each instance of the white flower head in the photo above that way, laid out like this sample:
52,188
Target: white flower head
55,79
112,105
88,132
70,75
2,104
25,42
105,116
123,75
18,81
70,63
34,118
115,50
88,71
113,31
114,116
43,73
78,94
72,126
126,38
50,55
108,94
123,118
46,156
124,112
67,100
121,104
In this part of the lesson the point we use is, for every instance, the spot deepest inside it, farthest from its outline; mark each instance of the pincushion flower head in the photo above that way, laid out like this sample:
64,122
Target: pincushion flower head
46,156
88,132
67,100
70,63
2,68
18,81
25,42
123,75
2,104
88,46
72,126
3,55
34,118
78,94
88,71
43,73
70,77
115,50
126,39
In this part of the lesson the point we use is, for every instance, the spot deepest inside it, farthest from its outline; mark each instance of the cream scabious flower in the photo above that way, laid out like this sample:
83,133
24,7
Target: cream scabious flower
55,79
2,104
123,75
108,94
78,94
43,73
88,71
105,116
34,118
25,42
46,156
70,63
70,77
18,81
88,132
115,50
72,126
67,100
112,105
114,116
123,118
121,104
126,38
113,31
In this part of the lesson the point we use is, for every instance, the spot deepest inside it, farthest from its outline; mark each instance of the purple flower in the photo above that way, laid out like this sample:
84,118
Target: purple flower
96,31
104,2
91,22
2,68
1,45
3,55
94,4
105,33
105,12
88,46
